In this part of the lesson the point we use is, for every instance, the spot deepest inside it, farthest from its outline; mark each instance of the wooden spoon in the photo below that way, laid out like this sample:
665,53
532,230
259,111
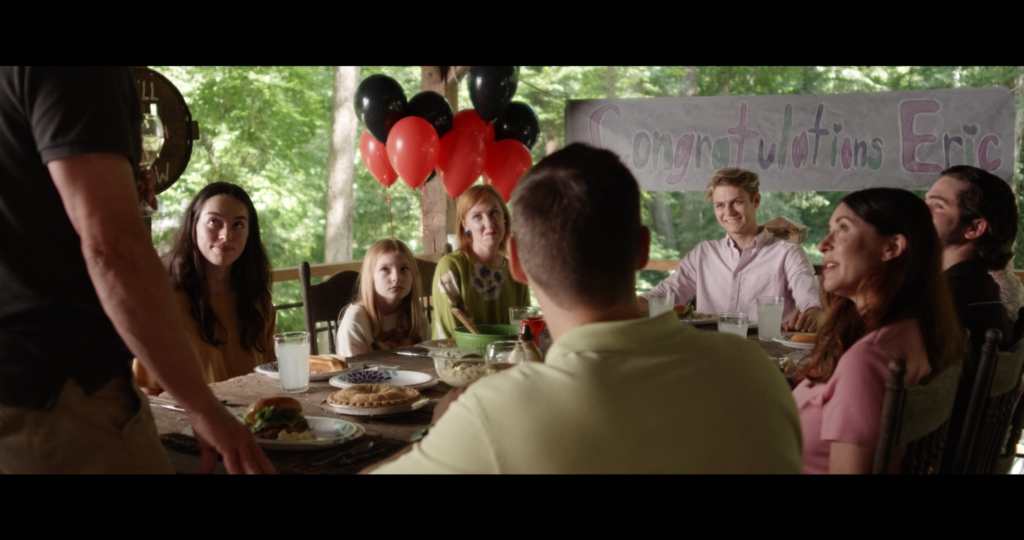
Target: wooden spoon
465,320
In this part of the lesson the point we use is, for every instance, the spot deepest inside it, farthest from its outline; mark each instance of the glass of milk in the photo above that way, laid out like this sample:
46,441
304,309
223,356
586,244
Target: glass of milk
733,323
769,316
659,302
292,350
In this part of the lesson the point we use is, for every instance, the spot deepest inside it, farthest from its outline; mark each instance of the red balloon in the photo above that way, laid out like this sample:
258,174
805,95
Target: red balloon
375,157
413,147
507,162
469,119
462,159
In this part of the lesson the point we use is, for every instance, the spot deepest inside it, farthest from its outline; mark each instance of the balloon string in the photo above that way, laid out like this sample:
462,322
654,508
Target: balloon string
391,222
387,197
423,223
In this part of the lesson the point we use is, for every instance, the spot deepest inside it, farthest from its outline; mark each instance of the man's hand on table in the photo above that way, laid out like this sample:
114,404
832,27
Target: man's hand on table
220,433
806,321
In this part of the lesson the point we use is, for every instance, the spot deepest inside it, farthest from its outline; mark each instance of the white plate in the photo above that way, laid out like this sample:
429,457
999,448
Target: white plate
270,370
376,411
329,432
785,341
399,377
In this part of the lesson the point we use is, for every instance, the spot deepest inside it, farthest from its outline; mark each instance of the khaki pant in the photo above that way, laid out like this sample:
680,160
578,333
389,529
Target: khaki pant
109,432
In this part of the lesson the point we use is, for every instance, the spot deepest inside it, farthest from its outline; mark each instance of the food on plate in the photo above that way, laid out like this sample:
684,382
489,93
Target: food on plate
681,309
271,417
373,395
785,364
696,315
803,338
327,363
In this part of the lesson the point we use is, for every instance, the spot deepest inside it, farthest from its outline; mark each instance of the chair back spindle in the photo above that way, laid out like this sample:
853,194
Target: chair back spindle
917,418
990,411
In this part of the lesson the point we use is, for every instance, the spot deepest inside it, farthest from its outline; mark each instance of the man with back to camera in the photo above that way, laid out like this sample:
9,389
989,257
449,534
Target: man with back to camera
617,393
82,288
975,215
729,275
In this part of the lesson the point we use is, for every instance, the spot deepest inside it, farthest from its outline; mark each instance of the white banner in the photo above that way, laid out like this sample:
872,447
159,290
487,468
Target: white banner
826,142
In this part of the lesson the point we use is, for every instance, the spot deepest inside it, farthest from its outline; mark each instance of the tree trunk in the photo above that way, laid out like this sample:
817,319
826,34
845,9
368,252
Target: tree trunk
661,218
688,82
340,168
438,213
609,83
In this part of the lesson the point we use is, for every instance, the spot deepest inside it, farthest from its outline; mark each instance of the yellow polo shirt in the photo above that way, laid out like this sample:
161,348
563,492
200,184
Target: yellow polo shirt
637,396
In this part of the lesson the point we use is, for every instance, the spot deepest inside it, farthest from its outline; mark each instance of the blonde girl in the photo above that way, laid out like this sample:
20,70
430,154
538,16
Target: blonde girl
387,312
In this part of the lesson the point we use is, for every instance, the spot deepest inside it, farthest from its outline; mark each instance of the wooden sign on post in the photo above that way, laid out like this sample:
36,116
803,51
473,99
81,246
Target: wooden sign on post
179,128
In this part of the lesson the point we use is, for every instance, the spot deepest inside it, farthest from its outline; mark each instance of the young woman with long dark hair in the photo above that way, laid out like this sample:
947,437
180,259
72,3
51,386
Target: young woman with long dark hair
887,298
221,276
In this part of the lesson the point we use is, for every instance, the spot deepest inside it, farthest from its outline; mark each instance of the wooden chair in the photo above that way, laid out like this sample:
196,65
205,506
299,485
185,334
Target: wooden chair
322,303
917,417
990,410
427,269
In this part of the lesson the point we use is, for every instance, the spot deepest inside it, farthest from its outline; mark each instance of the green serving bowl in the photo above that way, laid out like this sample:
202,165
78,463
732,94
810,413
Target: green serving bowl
489,333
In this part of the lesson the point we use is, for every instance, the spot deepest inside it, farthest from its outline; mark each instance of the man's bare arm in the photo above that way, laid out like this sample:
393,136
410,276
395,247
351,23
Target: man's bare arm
101,200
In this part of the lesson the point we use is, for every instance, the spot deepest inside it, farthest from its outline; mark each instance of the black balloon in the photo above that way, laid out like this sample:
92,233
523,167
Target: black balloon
491,88
433,108
380,104
517,121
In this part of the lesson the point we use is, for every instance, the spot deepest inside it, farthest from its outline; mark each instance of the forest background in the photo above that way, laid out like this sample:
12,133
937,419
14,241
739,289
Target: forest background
268,129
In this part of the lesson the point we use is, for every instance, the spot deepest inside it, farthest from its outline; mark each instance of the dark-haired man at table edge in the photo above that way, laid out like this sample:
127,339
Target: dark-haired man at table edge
82,289
618,393
729,275
975,215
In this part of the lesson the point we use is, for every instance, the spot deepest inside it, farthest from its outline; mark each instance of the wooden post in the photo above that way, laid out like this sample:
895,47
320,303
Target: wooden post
438,218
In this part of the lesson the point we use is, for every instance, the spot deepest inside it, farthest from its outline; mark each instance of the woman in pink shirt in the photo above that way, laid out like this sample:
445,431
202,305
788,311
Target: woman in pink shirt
887,299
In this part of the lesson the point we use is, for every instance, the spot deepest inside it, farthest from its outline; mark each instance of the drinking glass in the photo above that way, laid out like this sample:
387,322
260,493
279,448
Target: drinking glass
769,316
733,323
152,143
660,302
517,314
292,350
498,356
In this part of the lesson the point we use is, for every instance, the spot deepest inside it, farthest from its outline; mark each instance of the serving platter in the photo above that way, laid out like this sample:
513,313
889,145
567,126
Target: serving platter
394,377
375,411
270,370
329,432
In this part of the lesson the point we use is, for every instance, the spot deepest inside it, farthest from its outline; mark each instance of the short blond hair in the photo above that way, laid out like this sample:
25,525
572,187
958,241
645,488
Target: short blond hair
746,180
472,197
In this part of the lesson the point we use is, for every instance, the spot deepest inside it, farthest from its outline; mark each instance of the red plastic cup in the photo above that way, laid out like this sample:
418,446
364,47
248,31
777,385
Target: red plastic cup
536,324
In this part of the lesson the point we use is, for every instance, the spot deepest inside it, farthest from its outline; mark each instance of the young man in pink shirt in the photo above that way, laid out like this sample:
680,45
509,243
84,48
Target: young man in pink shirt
729,275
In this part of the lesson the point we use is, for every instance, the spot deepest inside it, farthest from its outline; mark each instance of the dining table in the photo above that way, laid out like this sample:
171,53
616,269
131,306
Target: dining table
389,434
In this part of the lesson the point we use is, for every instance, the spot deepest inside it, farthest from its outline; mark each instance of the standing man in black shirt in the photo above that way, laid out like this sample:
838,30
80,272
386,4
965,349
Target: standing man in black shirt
82,290
975,214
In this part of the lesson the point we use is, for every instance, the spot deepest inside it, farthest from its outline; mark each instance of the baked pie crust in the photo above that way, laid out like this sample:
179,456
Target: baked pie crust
373,395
